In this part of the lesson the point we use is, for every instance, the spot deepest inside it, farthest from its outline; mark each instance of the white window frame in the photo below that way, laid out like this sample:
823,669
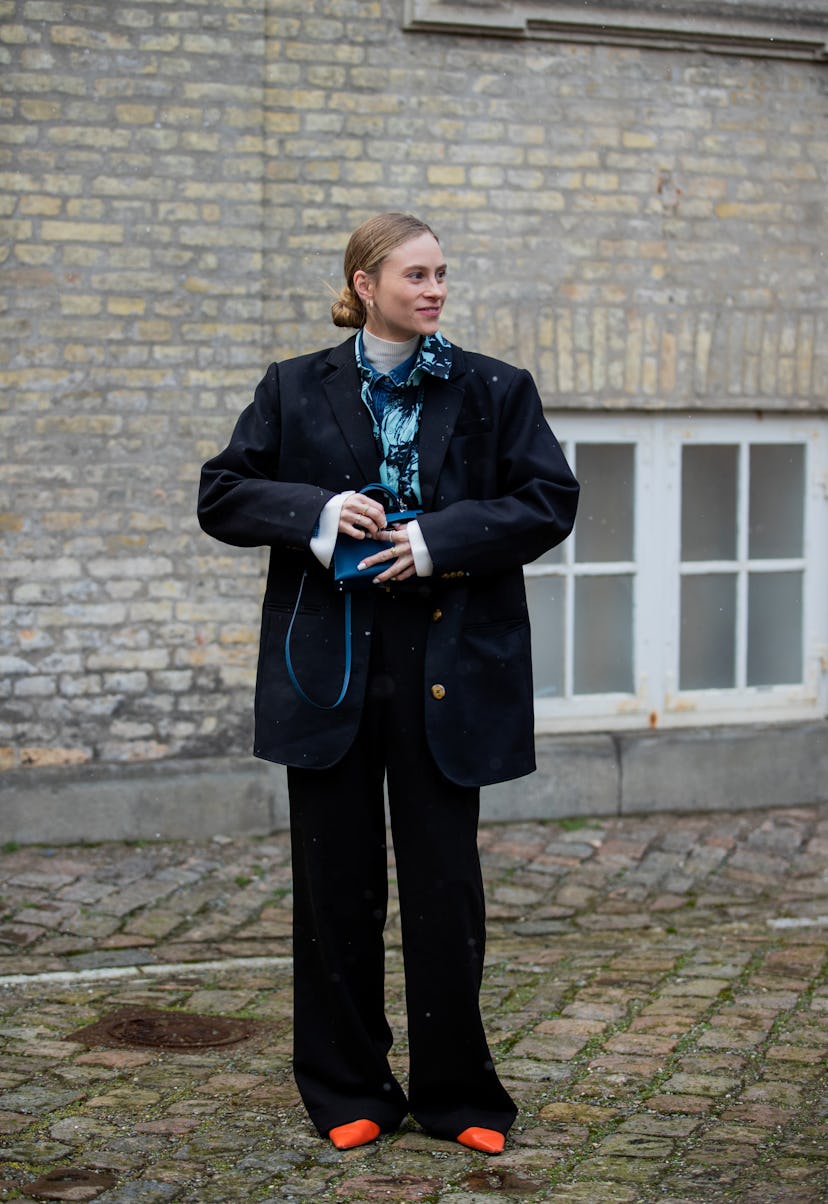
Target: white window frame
657,702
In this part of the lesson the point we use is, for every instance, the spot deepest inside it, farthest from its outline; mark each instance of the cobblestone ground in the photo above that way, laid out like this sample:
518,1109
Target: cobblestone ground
656,995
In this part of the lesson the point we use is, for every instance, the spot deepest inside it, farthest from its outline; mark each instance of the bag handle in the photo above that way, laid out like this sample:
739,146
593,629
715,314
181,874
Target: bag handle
346,675
383,489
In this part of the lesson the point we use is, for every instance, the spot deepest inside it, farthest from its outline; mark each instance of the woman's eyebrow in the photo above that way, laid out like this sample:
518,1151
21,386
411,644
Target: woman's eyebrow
422,267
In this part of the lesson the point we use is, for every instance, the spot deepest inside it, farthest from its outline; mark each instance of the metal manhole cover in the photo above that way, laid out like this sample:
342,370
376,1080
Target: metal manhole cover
150,1028
69,1183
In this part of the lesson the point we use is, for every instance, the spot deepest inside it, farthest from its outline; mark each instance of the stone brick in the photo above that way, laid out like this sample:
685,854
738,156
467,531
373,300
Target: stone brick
92,232
42,757
40,205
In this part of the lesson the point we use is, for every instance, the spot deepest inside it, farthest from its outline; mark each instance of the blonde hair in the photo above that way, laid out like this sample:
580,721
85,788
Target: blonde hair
368,246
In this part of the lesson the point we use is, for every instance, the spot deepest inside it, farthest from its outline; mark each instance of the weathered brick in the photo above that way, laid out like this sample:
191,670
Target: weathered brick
135,114
41,757
92,232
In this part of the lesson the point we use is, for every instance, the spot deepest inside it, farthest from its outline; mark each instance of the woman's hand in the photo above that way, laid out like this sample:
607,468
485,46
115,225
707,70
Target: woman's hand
398,556
361,517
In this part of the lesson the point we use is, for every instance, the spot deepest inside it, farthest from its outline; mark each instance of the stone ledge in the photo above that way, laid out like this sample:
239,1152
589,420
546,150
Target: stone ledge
172,800
766,28
599,774
725,769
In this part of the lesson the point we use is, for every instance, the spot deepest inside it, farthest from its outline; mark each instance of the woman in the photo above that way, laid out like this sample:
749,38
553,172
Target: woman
439,697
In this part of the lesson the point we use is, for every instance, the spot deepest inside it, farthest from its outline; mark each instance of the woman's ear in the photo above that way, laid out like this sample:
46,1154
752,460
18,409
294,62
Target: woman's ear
363,286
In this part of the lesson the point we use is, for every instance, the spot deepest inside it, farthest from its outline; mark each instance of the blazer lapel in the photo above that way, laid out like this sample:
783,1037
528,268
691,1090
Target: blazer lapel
441,406
344,396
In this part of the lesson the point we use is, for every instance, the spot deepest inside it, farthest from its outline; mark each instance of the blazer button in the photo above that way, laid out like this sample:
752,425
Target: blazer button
437,616
438,692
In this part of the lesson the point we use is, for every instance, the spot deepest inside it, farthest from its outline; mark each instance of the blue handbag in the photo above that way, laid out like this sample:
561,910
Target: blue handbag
348,553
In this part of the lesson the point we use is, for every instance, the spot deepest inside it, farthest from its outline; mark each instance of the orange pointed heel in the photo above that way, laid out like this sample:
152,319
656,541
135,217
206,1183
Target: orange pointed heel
358,1132
489,1141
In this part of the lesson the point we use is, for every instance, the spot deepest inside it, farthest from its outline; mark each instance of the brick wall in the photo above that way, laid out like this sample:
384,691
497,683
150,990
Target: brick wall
640,228
132,178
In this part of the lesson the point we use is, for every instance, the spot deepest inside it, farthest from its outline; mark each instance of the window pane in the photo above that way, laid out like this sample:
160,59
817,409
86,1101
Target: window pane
708,632
553,556
774,628
777,496
546,608
603,646
709,476
604,527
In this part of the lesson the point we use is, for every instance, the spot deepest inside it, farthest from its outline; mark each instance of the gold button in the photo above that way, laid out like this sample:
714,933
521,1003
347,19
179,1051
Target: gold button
438,692
437,616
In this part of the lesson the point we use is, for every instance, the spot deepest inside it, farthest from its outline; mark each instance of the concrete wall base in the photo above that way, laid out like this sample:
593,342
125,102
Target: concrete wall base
607,774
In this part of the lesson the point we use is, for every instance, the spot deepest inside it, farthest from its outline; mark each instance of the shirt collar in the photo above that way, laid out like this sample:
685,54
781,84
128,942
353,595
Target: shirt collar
433,359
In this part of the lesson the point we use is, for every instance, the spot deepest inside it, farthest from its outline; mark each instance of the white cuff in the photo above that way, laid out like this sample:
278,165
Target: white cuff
322,543
419,550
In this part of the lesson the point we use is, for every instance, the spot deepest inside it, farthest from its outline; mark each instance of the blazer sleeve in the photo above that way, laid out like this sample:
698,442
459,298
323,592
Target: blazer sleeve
242,497
534,495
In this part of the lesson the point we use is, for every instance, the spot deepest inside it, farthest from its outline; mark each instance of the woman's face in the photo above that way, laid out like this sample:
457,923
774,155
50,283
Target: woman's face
407,294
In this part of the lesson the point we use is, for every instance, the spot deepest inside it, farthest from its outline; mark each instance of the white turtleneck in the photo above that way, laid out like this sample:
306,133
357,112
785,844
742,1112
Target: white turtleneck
385,355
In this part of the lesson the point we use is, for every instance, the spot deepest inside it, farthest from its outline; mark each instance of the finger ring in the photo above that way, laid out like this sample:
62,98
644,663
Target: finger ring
364,510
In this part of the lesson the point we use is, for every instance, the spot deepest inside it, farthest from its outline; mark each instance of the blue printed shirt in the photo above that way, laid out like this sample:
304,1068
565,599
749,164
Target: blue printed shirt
394,402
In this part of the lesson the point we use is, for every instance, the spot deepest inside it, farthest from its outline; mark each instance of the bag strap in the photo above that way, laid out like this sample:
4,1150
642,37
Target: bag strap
383,489
346,676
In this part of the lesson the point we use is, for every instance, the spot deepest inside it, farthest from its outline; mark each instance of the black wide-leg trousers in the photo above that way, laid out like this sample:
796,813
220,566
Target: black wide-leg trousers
340,884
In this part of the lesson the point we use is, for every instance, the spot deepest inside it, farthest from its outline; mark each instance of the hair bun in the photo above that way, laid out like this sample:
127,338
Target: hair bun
347,309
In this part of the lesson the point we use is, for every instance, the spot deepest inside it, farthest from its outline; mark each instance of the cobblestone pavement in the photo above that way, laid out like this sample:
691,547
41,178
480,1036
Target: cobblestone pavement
656,994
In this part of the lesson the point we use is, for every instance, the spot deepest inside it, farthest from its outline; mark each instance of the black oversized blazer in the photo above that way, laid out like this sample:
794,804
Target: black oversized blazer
496,494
